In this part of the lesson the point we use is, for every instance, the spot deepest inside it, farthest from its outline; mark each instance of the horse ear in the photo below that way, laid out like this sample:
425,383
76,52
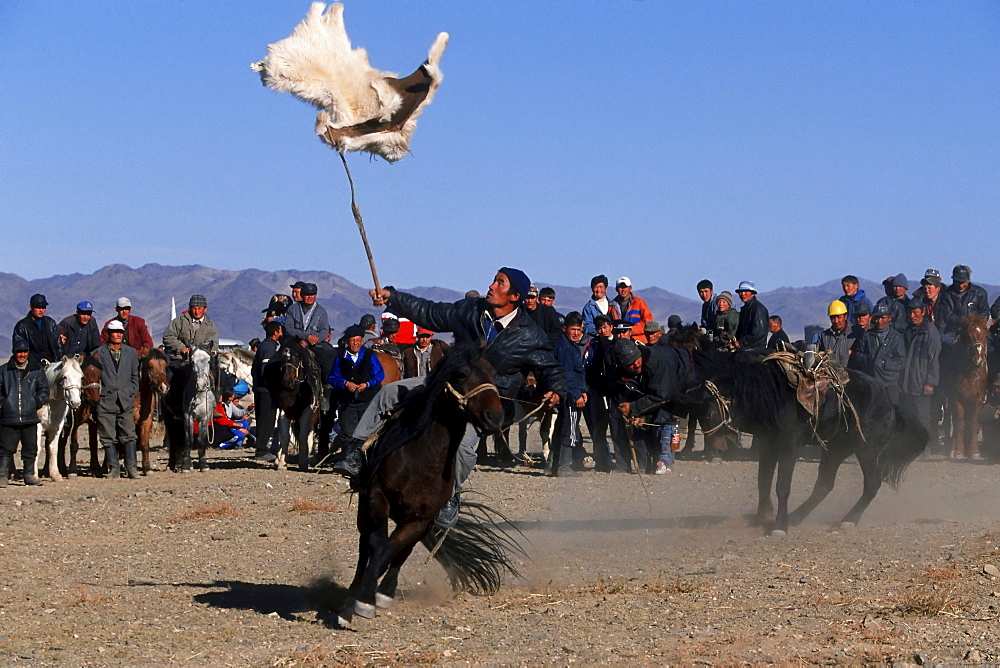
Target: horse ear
78,357
45,364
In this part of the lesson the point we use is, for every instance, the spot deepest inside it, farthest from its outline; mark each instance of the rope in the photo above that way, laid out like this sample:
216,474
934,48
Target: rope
723,404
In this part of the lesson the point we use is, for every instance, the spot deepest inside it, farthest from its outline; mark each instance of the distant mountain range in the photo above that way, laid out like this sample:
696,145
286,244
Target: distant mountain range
237,297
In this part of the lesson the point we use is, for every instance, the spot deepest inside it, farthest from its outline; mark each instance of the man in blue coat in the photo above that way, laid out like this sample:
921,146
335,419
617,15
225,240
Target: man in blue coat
569,349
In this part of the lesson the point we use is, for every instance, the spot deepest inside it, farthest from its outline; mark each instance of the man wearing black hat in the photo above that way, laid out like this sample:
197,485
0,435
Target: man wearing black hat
544,315
23,390
514,344
38,332
79,331
653,378
896,300
192,329
960,300
930,293
599,364
367,323
921,373
297,291
881,352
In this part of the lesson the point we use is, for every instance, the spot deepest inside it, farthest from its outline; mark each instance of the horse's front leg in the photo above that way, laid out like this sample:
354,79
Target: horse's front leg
380,553
404,538
143,428
783,488
95,458
188,442
868,460
284,436
829,463
972,428
52,447
765,476
203,427
958,430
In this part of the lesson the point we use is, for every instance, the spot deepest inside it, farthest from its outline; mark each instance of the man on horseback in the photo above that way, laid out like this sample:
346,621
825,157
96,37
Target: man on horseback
79,331
136,333
514,346
193,329
960,300
751,331
38,332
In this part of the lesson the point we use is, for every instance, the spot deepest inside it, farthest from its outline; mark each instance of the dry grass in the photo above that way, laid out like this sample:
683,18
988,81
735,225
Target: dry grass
923,600
85,597
206,512
941,573
304,507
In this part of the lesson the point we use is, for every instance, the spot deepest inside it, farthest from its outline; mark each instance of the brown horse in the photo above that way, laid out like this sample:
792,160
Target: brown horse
392,367
152,385
963,377
85,414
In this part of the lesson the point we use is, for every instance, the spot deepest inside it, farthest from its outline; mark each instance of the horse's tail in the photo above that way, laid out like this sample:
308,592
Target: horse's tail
908,440
477,552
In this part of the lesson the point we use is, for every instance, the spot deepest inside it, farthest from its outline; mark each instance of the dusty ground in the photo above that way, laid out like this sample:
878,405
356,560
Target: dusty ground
230,568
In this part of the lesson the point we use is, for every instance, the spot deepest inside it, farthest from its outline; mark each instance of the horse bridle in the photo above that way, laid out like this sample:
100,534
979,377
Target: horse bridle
463,399
297,364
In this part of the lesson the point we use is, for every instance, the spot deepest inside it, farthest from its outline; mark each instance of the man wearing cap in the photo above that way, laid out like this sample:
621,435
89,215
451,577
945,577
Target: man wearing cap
567,442
598,304
862,318
515,345
896,300
79,331
629,306
119,385
355,376
881,352
599,367
652,334
297,291
263,403
921,370
192,329
776,335
420,358
930,293
960,300
706,292
368,324
38,332
653,378
839,338
23,390
727,319
544,315
853,296
752,328
136,333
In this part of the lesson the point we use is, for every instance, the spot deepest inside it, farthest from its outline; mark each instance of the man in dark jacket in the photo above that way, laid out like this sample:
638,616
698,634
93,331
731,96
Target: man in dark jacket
119,385
264,406
960,300
356,376
39,332
751,332
421,358
653,376
839,338
79,331
775,334
921,372
896,300
706,292
544,315
881,352
853,297
23,390
514,344
599,367
569,349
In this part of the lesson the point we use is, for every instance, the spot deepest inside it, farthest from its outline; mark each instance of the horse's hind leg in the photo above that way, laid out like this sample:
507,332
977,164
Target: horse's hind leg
783,487
829,464
203,428
95,459
405,537
868,460
379,555
972,432
765,476
958,430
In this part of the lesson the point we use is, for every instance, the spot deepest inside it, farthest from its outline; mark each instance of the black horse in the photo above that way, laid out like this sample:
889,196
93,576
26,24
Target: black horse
410,475
756,397
293,379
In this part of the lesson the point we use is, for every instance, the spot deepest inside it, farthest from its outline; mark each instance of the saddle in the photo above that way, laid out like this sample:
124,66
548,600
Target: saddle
811,374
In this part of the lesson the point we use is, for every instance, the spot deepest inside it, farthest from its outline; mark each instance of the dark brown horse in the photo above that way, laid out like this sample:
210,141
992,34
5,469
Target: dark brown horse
411,474
294,381
152,386
964,372
85,414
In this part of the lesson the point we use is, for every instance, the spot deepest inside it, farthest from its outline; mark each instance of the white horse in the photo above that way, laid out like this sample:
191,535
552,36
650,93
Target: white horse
238,362
198,409
65,380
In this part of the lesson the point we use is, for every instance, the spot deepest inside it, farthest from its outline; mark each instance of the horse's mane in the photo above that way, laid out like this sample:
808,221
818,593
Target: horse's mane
973,322
153,354
244,355
689,337
413,415
756,389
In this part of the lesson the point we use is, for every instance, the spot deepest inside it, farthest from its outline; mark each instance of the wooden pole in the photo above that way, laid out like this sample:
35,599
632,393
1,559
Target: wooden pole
361,224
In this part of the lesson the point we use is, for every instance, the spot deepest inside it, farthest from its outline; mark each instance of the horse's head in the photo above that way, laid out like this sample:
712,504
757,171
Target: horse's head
153,369
293,371
470,384
689,337
974,333
71,380
201,363
92,373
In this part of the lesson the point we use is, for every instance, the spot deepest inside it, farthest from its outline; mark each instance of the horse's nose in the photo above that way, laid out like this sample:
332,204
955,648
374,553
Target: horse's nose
492,419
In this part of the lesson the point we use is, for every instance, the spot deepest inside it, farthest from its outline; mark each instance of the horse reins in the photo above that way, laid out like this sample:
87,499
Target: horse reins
463,399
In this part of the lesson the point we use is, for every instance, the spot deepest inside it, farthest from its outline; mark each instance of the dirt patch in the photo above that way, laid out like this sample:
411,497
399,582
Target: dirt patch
232,566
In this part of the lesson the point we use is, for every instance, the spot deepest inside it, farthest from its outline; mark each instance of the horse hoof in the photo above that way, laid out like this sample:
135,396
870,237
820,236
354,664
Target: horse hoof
847,526
280,467
71,476
366,610
185,470
383,601
778,534
976,457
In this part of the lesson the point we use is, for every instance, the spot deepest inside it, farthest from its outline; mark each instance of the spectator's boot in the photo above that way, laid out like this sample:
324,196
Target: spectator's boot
350,464
111,459
29,472
131,469
5,467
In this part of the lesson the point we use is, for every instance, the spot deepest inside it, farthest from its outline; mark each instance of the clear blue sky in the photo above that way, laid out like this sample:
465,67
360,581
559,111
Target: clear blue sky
783,142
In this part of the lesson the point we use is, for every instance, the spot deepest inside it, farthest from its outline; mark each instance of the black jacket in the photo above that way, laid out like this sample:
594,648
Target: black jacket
751,332
44,343
22,393
923,350
885,361
520,348
653,391
779,337
83,339
548,319
954,306
267,349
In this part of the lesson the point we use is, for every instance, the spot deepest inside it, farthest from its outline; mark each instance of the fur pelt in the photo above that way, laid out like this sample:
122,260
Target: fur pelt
361,108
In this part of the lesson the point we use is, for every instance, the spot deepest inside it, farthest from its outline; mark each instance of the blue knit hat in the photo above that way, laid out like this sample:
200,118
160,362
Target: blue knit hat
519,281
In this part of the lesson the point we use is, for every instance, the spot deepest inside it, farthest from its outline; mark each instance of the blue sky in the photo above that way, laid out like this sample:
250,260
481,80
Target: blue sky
782,142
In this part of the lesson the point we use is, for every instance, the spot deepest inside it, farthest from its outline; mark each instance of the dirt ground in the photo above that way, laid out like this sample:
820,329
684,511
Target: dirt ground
232,567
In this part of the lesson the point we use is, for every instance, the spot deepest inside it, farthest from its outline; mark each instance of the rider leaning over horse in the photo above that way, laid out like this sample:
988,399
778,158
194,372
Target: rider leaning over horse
193,329
515,345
